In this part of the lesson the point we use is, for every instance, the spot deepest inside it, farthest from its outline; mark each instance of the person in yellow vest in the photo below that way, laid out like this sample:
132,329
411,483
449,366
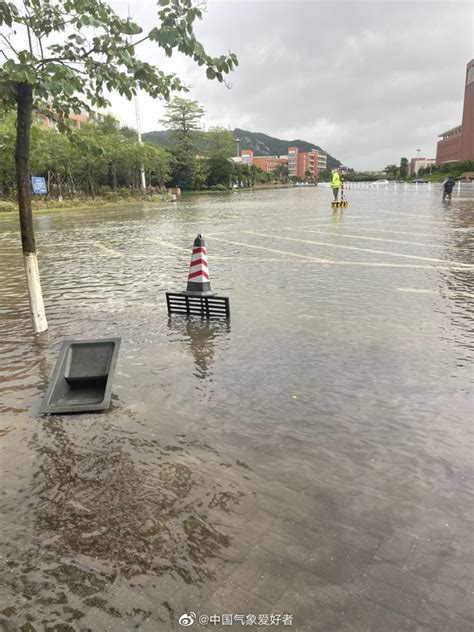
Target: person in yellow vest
335,183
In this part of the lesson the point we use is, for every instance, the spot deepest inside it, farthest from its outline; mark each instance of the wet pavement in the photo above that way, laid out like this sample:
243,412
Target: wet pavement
306,466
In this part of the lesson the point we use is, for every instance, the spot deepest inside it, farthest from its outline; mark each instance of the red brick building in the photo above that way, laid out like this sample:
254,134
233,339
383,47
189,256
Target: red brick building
269,163
457,143
300,163
265,163
247,156
467,132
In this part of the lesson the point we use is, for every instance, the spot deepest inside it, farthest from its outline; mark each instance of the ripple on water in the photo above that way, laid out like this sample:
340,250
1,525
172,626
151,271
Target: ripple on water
344,385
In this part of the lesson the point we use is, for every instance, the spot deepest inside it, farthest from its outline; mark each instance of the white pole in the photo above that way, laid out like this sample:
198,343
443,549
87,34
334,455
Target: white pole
405,187
139,132
459,187
34,293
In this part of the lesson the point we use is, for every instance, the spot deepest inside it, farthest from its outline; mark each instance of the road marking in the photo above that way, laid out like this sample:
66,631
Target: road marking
377,252
406,214
398,232
109,250
339,263
325,219
417,291
346,218
393,241
393,223
169,245
210,257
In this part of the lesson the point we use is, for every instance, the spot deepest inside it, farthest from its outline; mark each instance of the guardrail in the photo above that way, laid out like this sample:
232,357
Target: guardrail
460,188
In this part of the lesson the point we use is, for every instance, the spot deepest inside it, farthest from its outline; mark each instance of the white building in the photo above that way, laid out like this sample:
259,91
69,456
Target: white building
420,163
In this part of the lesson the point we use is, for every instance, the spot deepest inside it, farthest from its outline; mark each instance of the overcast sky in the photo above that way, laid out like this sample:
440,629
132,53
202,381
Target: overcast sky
369,82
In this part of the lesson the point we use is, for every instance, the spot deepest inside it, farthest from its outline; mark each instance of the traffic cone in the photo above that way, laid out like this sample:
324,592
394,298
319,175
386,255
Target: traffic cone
198,278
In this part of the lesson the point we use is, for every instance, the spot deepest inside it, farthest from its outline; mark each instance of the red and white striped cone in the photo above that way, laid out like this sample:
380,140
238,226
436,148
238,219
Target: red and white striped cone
198,278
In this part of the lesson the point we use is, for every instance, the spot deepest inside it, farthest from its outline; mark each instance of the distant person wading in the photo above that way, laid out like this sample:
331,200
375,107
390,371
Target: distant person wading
336,183
448,186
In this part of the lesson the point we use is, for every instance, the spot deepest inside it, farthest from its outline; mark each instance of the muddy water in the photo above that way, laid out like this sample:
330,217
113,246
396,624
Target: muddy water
310,460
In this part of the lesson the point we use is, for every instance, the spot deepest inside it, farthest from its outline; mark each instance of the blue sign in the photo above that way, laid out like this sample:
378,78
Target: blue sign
38,184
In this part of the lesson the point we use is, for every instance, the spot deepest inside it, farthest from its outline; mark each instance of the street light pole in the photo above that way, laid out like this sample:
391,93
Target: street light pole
139,132
237,141
140,141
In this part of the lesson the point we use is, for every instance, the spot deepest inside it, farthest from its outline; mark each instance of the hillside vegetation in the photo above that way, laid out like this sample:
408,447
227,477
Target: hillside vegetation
260,144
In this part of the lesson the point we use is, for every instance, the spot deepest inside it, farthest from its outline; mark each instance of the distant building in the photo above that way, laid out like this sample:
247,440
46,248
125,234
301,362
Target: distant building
77,120
457,143
304,163
269,163
300,163
467,126
247,156
449,146
322,161
265,163
419,163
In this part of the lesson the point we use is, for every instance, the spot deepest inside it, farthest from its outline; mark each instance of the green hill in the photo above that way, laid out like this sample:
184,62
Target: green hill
260,144
264,145
160,138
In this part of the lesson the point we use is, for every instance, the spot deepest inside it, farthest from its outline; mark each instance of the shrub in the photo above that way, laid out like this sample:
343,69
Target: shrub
6,206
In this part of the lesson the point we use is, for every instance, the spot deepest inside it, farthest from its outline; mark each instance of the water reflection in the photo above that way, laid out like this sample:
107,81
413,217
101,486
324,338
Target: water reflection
201,337
110,507
25,369
362,401
456,283
336,218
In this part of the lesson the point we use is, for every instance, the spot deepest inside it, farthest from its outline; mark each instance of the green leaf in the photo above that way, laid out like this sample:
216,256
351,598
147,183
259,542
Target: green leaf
8,13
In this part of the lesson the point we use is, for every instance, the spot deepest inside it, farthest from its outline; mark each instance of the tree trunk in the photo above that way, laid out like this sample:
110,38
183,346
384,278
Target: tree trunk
24,101
114,176
70,183
90,180
60,186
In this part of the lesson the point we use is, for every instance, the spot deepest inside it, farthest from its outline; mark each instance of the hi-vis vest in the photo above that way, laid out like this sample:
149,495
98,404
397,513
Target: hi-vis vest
336,181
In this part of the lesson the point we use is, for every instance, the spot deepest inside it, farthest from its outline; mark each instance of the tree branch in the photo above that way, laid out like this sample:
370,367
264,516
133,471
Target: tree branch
140,41
5,38
42,34
58,60
40,46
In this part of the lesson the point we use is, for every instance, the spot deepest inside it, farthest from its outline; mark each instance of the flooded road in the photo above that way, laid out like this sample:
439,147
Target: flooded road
308,463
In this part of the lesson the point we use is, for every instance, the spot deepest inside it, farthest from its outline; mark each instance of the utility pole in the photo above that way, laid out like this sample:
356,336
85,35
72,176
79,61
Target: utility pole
139,135
139,132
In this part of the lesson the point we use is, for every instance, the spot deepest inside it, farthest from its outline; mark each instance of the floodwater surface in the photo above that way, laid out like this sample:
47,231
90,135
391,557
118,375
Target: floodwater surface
307,464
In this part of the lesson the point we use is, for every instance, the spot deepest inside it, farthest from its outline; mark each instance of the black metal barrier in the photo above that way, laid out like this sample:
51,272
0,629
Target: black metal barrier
207,307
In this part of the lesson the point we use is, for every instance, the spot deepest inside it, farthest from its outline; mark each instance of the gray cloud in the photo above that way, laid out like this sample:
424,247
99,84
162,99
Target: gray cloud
368,81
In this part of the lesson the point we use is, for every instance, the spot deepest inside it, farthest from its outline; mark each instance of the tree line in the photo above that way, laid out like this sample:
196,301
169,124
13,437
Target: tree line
455,168
398,171
106,160
89,161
